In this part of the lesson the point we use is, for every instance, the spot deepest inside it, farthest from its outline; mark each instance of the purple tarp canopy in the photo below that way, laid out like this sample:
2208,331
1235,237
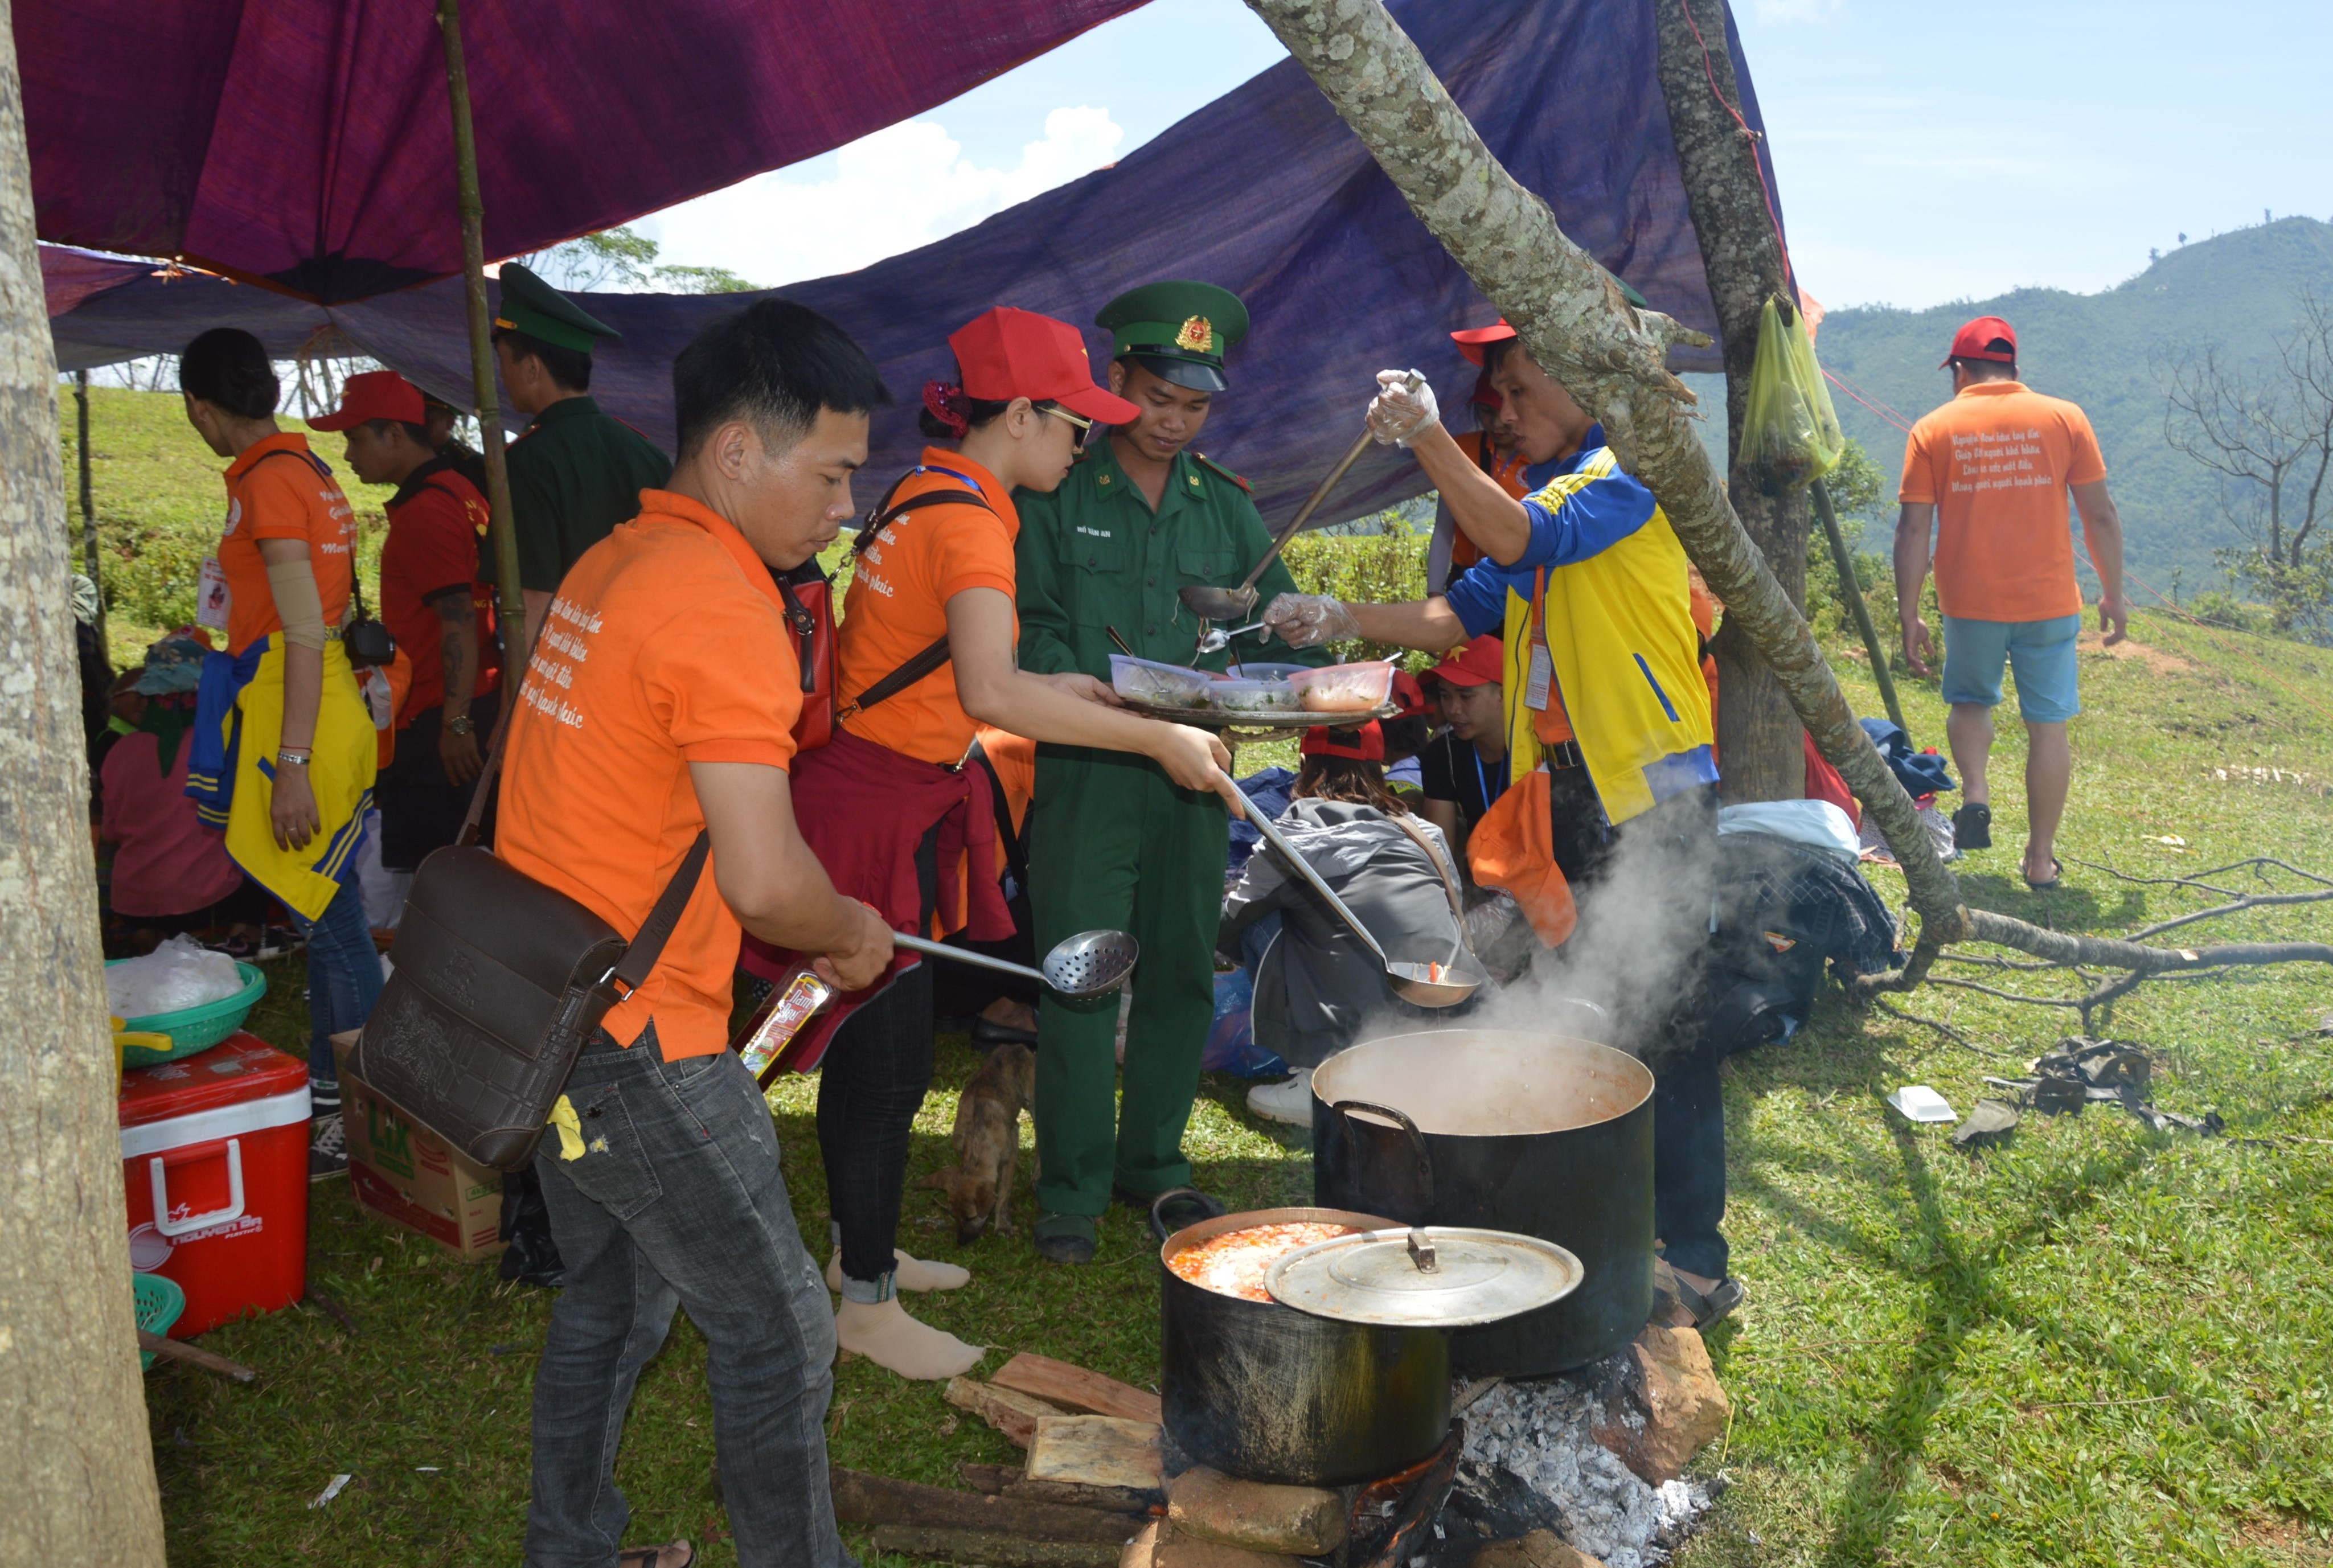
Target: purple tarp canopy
1263,191
309,142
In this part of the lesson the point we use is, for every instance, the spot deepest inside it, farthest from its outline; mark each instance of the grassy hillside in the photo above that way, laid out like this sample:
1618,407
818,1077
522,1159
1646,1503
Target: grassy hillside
2233,291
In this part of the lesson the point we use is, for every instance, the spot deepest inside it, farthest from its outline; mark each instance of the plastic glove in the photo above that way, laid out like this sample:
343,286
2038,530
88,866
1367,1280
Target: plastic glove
1400,413
1308,620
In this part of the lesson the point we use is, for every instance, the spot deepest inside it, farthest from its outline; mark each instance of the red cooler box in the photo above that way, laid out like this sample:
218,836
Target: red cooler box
214,1163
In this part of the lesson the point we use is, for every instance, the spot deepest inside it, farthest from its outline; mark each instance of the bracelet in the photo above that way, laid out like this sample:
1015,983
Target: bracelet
293,759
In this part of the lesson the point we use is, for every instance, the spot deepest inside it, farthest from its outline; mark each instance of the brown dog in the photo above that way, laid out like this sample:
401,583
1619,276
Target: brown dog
987,1137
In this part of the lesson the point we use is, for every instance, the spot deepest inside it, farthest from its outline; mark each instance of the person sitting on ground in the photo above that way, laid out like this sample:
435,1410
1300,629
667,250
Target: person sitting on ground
439,613
926,654
171,872
2005,561
1316,982
631,735
1464,770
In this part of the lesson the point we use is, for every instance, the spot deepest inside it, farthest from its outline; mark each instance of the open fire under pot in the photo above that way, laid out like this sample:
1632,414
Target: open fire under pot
1341,1375
1546,1134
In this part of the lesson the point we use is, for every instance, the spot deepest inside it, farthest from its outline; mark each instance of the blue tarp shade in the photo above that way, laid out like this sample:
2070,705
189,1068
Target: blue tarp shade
1263,191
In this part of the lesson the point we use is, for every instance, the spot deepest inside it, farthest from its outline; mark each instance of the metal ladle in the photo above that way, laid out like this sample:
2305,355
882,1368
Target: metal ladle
1415,983
1092,963
1215,604
1217,639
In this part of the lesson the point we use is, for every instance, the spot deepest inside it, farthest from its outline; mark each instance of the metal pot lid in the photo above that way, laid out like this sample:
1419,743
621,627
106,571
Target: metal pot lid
1432,1276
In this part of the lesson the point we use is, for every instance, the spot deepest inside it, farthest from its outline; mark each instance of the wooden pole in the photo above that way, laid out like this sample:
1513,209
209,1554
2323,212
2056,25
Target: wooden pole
88,504
75,1458
1820,494
501,527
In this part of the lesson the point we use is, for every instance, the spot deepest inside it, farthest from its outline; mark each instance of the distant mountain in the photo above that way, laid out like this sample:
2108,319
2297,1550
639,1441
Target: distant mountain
2234,291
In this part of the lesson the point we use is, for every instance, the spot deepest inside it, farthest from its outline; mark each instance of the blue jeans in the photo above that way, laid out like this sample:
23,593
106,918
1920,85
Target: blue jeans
676,1199
343,978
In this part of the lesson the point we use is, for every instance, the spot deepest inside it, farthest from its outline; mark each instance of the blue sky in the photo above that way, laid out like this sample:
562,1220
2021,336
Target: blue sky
1926,152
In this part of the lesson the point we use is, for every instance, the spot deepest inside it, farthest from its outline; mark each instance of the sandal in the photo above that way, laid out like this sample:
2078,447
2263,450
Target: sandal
1065,1237
1706,1309
2057,875
654,1556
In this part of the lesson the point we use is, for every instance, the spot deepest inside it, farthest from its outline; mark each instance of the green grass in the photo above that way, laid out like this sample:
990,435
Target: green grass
2098,1345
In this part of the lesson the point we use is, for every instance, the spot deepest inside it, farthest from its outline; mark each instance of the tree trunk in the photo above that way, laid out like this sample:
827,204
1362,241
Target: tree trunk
1758,735
73,1448
1609,357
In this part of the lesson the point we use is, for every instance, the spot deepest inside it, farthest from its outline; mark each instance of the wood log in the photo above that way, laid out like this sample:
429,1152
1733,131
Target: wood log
990,1479
860,1498
1139,1501
994,1551
1014,1414
194,1355
1096,1451
1073,1388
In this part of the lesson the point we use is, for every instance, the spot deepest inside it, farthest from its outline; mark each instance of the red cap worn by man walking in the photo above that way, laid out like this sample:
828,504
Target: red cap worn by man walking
1988,472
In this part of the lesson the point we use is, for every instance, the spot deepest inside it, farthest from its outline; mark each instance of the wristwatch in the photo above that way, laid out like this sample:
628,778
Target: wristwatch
460,724
293,758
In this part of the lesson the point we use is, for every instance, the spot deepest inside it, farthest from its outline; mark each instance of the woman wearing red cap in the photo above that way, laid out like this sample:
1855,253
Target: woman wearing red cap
1316,983
925,650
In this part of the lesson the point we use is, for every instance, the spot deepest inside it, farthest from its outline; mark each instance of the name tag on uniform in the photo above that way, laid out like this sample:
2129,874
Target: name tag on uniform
212,599
1542,677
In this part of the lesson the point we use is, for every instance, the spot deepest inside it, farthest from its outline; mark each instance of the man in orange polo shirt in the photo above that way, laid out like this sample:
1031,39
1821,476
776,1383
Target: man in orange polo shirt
658,704
1988,473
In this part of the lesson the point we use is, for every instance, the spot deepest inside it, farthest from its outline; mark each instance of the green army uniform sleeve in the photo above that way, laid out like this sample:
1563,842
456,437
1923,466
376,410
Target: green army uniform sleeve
1046,646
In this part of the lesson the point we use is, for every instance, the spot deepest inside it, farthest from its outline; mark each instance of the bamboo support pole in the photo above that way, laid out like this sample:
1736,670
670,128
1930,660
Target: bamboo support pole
502,527
1852,589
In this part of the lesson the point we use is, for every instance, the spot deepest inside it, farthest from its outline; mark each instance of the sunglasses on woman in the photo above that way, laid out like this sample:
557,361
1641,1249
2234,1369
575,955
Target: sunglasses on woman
1084,426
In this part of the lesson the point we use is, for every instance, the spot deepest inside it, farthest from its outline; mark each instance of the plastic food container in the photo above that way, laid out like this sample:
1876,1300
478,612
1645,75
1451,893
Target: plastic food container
193,1029
1254,696
1345,688
1161,685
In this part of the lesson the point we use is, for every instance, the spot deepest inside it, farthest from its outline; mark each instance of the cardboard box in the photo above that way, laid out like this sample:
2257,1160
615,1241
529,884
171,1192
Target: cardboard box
413,1177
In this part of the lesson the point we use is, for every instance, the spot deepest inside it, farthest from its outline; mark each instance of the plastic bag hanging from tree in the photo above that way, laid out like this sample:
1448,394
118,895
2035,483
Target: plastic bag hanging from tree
1790,431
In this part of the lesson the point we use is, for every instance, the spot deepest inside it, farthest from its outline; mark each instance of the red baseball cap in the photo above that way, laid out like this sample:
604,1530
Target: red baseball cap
375,394
1985,339
1004,353
1486,396
1473,340
1408,696
1481,662
1365,743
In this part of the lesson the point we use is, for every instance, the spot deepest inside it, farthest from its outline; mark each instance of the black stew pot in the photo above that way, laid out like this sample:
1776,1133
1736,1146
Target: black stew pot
1266,1392
1548,1134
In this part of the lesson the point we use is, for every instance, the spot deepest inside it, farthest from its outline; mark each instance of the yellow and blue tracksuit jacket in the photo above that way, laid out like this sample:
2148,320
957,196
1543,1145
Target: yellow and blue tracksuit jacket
1604,579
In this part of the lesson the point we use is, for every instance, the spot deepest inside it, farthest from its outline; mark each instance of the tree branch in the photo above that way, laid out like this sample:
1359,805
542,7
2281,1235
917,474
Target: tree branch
1575,324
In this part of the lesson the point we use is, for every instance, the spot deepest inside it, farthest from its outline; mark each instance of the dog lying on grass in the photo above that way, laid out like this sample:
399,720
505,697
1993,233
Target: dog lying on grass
987,1136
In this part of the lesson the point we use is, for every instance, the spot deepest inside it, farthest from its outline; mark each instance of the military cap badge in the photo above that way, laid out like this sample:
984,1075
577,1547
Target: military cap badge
1197,335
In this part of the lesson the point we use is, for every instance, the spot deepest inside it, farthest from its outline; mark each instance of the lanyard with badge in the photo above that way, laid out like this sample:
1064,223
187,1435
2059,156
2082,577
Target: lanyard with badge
1543,662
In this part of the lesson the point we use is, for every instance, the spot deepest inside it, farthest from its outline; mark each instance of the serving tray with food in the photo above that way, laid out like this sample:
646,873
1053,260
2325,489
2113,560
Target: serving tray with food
1262,696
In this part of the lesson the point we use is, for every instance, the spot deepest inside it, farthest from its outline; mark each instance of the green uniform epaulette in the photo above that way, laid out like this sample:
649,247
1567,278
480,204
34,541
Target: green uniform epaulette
1227,473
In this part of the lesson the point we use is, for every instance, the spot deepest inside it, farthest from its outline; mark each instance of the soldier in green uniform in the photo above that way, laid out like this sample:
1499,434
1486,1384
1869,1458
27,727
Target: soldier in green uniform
576,472
1112,841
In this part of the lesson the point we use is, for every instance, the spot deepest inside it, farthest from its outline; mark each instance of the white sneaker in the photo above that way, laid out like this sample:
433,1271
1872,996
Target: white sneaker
1290,1102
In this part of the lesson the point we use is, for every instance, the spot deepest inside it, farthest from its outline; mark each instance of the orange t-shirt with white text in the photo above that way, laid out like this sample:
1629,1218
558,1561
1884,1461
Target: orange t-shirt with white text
666,645
282,497
896,604
1996,463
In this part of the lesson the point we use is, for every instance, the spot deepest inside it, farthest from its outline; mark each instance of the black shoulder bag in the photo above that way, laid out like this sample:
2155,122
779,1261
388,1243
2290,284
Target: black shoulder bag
500,982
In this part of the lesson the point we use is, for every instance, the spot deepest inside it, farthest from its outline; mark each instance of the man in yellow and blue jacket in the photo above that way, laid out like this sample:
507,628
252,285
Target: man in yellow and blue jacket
1586,580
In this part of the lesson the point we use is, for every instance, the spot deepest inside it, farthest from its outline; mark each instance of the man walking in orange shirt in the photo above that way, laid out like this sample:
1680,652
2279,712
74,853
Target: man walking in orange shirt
1988,472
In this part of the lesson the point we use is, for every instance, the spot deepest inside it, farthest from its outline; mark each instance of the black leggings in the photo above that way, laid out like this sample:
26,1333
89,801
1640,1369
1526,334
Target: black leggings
876,1070
869,1089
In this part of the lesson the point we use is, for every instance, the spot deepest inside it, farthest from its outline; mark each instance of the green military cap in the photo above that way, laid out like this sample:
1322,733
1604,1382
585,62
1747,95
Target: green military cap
533,307
1176,330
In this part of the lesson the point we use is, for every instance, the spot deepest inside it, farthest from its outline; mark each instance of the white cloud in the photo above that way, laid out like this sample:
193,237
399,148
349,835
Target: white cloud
903,186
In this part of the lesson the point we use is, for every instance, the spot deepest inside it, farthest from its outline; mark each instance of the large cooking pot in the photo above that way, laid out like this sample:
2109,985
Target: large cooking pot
1548,1134
1266,1392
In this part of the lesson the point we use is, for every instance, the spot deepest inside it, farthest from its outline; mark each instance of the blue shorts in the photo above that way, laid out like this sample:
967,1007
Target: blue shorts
2041,653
